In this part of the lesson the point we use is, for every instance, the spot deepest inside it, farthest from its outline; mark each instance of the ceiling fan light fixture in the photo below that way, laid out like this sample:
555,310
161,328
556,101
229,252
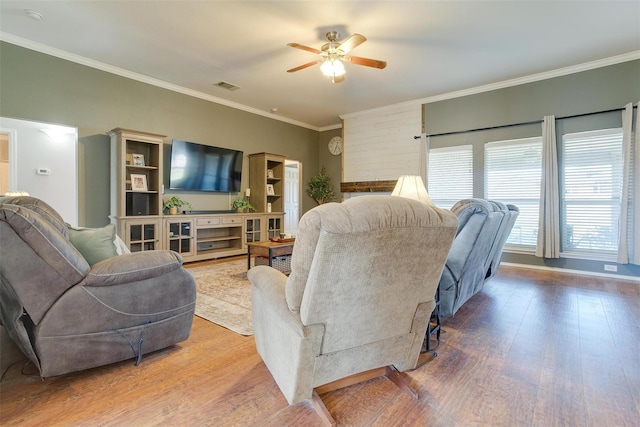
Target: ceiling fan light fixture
333,55
332,68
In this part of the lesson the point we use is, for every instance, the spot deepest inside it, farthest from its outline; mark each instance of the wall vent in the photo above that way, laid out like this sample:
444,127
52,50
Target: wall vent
227,86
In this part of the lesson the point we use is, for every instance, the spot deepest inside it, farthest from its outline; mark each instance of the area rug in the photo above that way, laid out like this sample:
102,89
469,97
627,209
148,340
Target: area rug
224,295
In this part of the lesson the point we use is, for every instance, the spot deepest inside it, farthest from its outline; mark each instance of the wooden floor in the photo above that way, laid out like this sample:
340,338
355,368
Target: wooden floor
533,349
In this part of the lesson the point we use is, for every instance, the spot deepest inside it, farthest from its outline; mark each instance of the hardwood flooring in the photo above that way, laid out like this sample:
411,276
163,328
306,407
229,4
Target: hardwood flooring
534,348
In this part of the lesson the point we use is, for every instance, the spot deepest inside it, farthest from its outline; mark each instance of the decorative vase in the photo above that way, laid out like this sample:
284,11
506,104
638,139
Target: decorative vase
173,210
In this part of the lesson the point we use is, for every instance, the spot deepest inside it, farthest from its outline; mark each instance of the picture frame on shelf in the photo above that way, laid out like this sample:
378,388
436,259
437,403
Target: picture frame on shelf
138,182
270,173
138,159
270,190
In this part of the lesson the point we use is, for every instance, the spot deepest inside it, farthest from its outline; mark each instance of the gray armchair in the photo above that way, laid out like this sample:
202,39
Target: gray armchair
511,213
483,227
361,291
66,315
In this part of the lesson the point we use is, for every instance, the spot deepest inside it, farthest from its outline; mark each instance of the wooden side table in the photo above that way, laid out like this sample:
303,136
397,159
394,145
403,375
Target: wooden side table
271,250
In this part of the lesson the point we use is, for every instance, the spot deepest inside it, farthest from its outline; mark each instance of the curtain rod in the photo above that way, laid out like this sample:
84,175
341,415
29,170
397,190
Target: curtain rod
534,122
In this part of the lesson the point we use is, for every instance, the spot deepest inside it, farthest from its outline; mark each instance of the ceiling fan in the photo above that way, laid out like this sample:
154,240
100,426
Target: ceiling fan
333,55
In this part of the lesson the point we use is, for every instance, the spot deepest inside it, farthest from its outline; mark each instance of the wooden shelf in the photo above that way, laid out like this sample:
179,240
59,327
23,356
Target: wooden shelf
367,186
142,167
136,212
126,143
218,239
261,165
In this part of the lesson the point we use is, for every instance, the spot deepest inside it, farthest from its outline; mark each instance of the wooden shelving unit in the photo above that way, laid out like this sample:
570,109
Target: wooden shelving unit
141,234
275,224
138,214
253,228
218,236
135,210
179,235
266,170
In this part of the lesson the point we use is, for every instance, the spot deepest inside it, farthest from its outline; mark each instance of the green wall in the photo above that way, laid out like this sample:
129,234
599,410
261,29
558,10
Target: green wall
590,91
36,86
332,164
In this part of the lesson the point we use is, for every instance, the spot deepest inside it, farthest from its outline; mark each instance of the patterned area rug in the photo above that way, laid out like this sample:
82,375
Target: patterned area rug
224,295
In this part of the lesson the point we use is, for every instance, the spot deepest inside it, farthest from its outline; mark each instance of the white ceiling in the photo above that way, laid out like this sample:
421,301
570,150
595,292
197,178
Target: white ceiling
432,47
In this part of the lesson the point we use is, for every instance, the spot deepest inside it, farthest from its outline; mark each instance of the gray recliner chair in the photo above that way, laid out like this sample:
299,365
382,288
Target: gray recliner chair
66,315
483,227
510,213
360,294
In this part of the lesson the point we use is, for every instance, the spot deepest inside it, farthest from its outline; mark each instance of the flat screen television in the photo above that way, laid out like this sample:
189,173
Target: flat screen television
198,167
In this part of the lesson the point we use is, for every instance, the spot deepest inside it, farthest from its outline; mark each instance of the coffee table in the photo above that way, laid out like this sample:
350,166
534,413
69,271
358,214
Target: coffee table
271,250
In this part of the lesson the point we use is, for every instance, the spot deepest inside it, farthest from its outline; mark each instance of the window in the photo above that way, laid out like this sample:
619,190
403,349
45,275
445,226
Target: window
591,177
450,175
512,171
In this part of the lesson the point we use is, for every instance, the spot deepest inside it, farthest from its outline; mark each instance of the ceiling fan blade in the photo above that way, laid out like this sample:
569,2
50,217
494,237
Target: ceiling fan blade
351,42
302,67
303,47
375,63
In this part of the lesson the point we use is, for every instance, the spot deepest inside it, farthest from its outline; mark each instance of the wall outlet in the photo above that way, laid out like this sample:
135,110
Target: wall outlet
610,267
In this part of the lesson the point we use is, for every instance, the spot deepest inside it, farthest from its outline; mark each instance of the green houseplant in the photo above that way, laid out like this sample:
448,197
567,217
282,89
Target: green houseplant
175,203
320,188
243,205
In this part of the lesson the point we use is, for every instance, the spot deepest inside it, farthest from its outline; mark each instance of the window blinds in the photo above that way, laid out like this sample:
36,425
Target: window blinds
591,193
512,171
450,175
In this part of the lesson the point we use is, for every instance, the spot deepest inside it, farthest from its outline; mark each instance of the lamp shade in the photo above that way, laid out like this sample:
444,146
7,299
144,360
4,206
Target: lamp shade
412,187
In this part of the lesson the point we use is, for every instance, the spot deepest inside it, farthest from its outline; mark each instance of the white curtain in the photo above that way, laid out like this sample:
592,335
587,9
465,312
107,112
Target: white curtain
635,212
424,158
548,245
629,230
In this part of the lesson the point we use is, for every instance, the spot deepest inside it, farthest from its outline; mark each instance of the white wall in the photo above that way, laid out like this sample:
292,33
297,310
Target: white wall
31,150
379,144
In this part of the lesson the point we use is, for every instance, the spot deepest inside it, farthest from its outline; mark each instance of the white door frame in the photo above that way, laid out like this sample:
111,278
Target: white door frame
13,157
291,223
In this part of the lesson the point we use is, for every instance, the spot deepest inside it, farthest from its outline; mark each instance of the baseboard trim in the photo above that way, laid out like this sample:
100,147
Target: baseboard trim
570,271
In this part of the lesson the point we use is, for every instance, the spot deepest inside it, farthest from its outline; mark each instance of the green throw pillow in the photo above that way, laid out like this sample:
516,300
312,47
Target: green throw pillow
95,244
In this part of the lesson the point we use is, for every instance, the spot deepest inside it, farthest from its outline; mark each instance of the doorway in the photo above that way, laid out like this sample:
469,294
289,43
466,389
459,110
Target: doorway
42,161
292,196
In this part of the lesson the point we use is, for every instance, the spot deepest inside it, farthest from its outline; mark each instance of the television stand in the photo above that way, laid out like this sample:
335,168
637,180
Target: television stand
205,212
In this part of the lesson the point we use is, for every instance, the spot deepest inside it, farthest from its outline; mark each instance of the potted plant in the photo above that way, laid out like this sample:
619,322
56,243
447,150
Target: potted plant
174,203
243,205
320,188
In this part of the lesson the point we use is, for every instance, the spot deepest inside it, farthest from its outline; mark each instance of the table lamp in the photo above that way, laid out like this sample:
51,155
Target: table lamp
412,187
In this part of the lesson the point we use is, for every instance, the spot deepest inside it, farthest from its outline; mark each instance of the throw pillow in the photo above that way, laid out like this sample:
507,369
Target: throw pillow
95,244
121,247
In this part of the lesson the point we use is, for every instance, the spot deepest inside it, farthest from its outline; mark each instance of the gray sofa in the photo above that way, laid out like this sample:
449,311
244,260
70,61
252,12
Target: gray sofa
67,315
483,228
361,291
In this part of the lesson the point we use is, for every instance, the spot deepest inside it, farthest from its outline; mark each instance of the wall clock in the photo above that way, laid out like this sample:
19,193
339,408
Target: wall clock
335,145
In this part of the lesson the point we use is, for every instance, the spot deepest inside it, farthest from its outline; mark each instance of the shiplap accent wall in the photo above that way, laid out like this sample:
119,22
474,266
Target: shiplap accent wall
379,144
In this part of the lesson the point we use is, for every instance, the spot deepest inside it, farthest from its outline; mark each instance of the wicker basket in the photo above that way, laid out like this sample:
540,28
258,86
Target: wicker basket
280,263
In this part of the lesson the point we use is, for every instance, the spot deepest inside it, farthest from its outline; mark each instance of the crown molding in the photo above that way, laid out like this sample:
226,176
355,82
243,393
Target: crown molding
618,59
631,56
62,54
19,41
330,127
387,108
